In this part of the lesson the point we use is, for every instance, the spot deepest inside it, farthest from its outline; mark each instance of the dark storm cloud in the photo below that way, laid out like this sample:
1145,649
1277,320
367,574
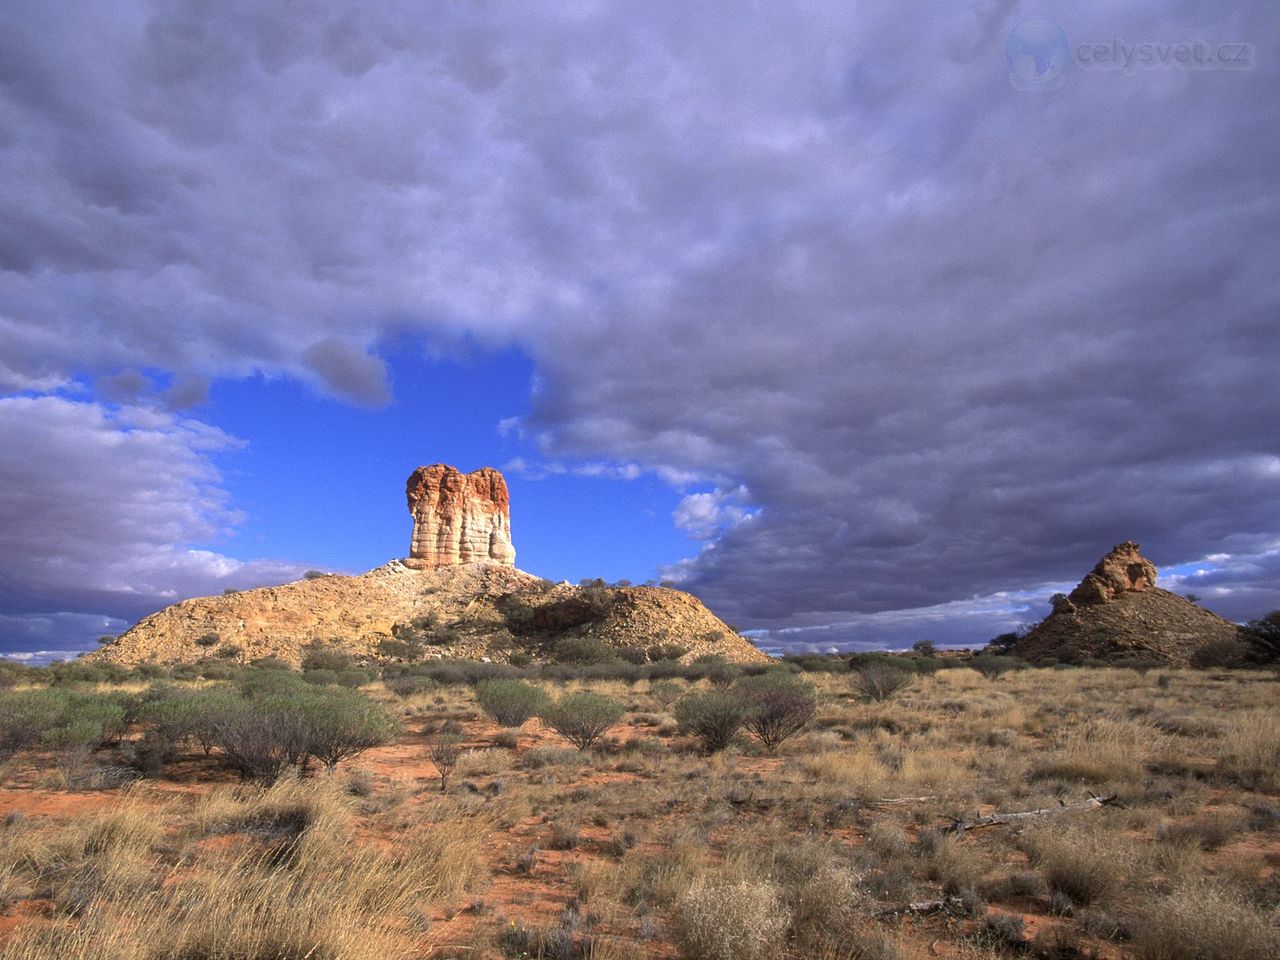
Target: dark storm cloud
928,337
348,371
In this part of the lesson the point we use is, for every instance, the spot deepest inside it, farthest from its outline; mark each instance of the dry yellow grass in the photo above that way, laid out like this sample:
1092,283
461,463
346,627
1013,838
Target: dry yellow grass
857,768
1101,751
310,891
1251,746
1202,921
845,820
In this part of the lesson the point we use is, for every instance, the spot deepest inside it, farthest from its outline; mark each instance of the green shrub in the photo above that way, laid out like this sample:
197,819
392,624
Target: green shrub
582,718
208,640
265,733
327,658
510,702
666,693
859,660
206,706
993,668
25,716
170,720
400,648
666,651
810,663
877,682
777,706
78,672
11,673
85,723
262,682
536,758
212,670
714,717
583,650
354,677
342,724
1264,635
409,686
1219,654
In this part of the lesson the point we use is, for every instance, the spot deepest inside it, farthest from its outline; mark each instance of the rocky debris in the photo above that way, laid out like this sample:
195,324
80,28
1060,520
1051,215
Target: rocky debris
456,612
459,518
1118,613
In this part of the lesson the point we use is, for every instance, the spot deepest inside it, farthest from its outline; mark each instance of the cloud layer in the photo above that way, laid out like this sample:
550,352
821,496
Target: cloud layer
935,336
98,508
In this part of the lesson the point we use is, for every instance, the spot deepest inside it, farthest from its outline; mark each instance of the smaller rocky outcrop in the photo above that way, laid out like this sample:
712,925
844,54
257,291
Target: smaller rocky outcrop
1118,613
1122,570
458,517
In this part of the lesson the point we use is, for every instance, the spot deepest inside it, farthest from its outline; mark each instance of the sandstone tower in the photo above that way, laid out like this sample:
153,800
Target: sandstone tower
459,518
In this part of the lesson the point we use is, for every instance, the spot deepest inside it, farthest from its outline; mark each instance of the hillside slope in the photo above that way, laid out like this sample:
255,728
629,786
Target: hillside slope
470,610
1117,612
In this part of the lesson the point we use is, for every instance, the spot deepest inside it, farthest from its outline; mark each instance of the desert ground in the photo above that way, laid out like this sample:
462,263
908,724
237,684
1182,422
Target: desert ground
868,833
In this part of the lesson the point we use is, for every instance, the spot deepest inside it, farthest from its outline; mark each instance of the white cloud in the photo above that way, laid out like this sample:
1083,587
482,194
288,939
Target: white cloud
706,515
99,507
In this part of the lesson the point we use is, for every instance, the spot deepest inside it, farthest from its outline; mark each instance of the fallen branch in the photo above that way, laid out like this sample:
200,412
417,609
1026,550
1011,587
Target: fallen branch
991,820
886,801
923,908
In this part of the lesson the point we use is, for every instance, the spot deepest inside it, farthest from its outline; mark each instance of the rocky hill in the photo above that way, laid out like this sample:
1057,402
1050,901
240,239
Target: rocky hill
457,595
1117,612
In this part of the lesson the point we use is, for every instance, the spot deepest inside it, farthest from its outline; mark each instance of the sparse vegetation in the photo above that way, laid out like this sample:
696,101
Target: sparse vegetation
807,843
740,921
444,748
1264,634
878,682
995,667
778,706
714,717
1203,921
510,702
583,718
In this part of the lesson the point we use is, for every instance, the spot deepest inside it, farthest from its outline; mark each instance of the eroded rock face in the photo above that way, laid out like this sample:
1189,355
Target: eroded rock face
1123,570
459,517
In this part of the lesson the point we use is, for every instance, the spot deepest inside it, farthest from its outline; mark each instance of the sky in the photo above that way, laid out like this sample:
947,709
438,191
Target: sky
864,327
